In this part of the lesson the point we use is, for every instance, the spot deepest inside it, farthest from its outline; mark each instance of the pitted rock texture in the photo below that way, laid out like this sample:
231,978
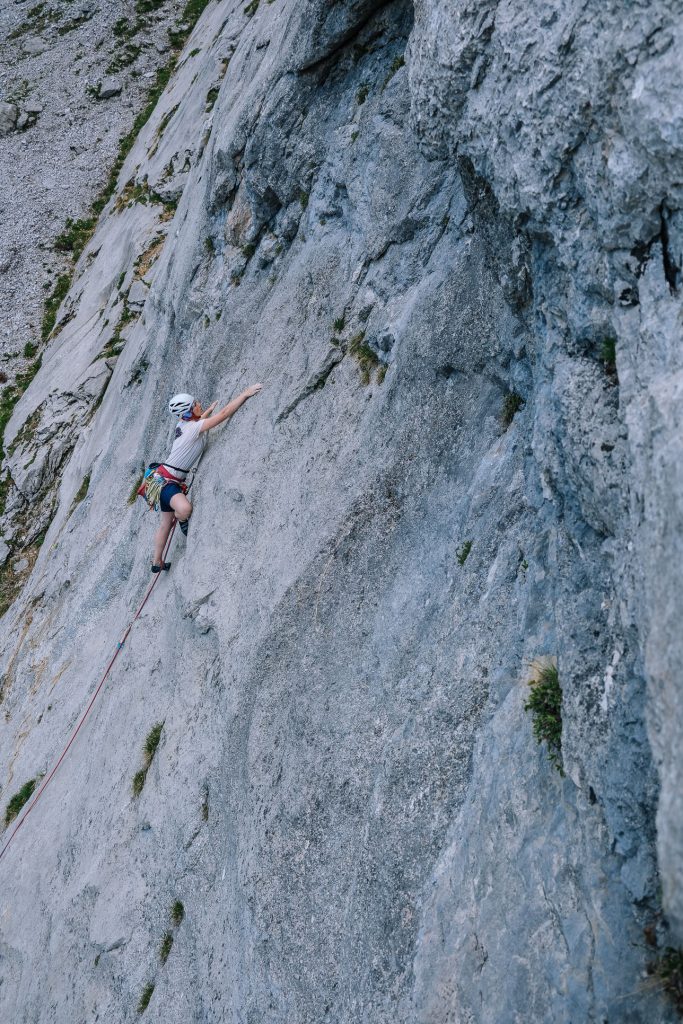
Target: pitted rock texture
347,797
59,140
571,117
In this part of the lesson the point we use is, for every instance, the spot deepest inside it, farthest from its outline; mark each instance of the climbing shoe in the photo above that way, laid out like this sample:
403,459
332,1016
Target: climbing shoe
182,523
159,568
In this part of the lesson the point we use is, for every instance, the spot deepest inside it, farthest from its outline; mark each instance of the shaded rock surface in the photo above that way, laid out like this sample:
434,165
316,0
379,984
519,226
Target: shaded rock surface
395,218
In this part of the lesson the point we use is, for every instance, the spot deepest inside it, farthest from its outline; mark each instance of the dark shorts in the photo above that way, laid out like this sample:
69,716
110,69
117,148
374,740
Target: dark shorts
168,492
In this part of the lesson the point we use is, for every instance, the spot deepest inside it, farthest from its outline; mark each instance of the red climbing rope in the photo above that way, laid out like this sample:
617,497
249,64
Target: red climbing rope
85,714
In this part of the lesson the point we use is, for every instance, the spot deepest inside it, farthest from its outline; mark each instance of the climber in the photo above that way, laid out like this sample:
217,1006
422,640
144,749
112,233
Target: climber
187,448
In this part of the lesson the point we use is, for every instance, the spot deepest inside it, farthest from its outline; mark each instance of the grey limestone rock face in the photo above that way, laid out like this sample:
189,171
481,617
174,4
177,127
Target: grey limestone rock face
52,57
8,117
572,121
347,796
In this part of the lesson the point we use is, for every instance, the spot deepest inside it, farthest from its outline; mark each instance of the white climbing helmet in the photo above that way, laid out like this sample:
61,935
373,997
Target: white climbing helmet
180,404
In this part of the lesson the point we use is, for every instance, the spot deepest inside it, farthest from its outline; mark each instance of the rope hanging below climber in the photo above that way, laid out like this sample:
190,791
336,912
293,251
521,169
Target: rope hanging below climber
160,488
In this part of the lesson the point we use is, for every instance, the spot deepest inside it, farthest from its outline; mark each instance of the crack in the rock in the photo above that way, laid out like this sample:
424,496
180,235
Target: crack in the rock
316,383
348,37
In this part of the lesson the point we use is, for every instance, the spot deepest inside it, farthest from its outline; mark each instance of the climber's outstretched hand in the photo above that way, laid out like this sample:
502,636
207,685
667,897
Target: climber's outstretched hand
230,409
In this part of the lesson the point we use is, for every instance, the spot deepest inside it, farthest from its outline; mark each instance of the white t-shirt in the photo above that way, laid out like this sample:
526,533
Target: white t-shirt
187,447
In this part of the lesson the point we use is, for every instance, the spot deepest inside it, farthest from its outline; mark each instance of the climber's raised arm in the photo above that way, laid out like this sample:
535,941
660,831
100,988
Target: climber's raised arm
230,409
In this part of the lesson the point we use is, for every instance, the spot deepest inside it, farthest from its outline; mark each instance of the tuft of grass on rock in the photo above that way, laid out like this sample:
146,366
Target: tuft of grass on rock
75,236
545,705
667,970
463,551
20,798
608,355
82,490
362,94
251,8
149,750
152,742
53,302
177,913
512,403
338,324
166,946
396,65
9,396
364,356
139,781
145,997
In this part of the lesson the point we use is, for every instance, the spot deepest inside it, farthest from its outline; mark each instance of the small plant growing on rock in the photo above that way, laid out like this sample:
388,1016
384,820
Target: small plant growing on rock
667,970
362,94
463,551
177,913
150,749
139,782
608,355
82,490
545,705
338,324
166,946
364,356
19,799
251,8
145,997
512,403
152,741
9,397
396,65
53,302
75,236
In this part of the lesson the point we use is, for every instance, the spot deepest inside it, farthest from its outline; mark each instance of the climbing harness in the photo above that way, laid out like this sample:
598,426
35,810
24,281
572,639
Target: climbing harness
155,479
119,647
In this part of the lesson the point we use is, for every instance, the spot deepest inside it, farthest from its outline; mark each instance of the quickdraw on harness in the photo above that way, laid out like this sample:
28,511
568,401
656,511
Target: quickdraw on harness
155,479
